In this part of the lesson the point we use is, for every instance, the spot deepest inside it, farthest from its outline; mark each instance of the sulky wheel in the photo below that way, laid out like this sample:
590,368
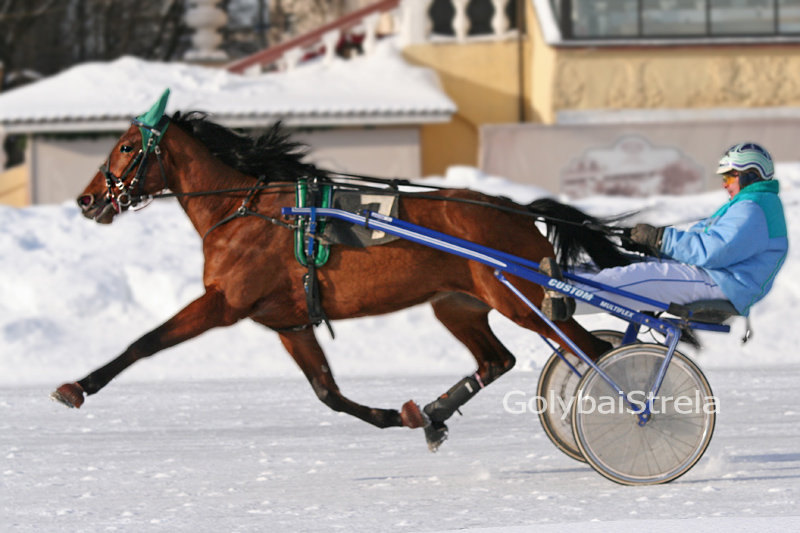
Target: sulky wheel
557,386
612,438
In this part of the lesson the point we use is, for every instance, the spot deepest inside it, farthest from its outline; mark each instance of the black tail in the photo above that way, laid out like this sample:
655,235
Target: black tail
573,233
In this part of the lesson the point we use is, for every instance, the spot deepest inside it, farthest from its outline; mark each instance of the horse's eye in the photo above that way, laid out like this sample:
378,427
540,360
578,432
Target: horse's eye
125,149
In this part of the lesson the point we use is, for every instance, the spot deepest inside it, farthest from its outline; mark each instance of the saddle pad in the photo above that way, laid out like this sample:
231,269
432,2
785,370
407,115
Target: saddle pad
341,232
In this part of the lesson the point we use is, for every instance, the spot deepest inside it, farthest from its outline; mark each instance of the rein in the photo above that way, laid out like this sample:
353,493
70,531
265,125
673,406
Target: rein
393,190
122,196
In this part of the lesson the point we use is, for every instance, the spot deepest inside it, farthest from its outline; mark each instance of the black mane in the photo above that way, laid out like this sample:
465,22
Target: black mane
273,155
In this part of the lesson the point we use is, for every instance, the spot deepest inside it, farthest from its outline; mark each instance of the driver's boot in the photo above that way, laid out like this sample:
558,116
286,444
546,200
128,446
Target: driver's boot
556,306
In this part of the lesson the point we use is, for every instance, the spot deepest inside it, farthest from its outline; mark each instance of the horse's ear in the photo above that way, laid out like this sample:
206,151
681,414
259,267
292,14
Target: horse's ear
154,114
152,117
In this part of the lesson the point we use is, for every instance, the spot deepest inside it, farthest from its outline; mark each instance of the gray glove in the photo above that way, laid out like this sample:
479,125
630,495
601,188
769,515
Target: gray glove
648,236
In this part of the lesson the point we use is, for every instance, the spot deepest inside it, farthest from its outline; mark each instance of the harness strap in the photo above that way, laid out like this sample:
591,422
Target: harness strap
244,210
309,243
310,283
290,329
316,313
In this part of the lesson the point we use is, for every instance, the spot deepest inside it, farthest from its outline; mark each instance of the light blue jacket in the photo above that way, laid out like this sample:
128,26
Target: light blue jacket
742,246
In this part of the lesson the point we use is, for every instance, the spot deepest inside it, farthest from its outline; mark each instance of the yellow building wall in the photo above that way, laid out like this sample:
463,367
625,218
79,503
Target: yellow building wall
677,77
14,188
680,76
544,61
483,79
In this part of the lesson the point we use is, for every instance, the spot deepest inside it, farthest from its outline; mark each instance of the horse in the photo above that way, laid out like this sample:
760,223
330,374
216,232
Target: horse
250,272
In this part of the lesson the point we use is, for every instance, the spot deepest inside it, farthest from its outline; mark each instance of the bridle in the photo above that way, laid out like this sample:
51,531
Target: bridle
122,196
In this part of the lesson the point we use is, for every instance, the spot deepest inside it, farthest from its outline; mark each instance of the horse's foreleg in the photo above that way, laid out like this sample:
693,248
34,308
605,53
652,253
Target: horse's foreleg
307,353
467,319
208,311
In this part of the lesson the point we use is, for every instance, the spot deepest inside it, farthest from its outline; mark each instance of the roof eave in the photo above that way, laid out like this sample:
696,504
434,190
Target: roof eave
115,124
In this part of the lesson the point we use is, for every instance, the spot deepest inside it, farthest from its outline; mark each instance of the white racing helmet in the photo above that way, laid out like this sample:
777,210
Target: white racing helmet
745,156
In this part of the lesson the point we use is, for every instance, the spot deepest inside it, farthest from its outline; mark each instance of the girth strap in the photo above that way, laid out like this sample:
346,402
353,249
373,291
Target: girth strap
313,299
313,252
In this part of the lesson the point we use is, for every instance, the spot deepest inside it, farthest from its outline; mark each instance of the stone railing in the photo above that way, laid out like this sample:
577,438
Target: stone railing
410,20
488,18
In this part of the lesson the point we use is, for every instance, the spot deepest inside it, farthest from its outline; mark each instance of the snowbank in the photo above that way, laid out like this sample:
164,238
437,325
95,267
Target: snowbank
75,294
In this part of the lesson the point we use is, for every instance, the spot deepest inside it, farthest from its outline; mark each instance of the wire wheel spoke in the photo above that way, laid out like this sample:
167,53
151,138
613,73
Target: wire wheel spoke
610,435
557,386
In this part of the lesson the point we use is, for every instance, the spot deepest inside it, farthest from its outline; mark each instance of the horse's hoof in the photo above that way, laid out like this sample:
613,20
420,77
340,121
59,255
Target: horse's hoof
70,394
412,416
435,434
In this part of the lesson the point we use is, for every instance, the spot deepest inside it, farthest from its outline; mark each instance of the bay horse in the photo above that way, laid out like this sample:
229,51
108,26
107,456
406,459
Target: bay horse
250,271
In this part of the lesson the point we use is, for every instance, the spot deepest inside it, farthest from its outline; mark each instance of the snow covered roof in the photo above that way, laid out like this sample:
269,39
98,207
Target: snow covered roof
381,88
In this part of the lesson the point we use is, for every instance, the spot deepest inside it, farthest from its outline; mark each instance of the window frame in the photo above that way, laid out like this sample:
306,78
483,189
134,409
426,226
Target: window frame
563,10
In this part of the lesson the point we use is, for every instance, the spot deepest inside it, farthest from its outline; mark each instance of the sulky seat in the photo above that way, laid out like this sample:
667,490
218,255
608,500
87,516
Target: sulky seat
706,311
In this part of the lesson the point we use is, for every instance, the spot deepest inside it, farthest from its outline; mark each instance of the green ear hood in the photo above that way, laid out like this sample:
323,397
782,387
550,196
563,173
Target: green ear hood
153,119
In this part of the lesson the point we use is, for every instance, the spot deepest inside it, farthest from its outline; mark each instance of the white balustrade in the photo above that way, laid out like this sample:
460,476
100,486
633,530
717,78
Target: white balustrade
410,21
460,20
291,58
370,24
330,40
414,21
460,24
500,22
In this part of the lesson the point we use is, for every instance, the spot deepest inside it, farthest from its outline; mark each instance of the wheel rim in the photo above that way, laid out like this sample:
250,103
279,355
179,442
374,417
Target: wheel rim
554,402
555,392
670,443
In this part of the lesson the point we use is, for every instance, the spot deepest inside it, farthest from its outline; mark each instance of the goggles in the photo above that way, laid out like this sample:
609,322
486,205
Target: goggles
730,177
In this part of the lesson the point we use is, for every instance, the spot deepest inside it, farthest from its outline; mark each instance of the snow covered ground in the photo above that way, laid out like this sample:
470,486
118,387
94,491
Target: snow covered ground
264,454
222,433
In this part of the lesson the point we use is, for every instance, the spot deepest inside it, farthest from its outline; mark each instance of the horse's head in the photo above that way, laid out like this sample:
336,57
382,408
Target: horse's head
127,178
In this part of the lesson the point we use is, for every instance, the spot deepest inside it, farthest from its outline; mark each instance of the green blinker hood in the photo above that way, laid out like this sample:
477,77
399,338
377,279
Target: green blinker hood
154,118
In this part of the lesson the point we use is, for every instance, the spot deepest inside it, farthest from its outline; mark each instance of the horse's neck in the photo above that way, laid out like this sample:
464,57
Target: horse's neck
194,170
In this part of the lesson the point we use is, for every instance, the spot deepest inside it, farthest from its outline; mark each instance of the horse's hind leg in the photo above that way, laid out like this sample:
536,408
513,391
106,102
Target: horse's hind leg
468,320
307,353
505,302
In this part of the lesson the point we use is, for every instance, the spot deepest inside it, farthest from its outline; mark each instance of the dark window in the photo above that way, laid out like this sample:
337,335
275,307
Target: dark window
789,16
603,19
673,17
742,17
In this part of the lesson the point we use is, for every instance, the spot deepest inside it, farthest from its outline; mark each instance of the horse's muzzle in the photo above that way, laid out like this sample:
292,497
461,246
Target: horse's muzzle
102,212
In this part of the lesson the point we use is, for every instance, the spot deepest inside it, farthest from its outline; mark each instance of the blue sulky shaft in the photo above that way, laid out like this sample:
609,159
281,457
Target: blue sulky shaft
504,262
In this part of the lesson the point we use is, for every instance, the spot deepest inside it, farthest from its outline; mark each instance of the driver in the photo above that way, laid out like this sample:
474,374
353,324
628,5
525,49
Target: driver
733,255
